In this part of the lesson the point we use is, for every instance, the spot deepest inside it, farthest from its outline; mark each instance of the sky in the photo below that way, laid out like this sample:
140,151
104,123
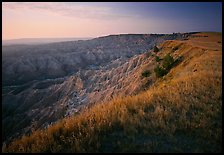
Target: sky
88,19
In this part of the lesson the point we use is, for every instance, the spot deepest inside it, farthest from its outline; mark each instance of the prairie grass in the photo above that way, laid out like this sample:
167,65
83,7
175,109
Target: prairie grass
180,113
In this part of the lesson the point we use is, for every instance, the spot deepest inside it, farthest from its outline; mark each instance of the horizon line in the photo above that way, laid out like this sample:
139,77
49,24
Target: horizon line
104,35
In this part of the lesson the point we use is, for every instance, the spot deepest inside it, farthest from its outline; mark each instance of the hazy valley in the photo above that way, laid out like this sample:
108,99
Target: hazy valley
42,84
38,41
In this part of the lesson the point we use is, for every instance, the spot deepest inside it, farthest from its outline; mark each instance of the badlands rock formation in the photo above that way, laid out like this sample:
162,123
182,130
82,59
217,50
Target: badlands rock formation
44,83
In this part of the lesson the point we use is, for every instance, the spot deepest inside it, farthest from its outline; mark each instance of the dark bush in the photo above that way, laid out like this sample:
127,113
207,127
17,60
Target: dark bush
157,59
175,48
168,62
146,73
160,71
156,49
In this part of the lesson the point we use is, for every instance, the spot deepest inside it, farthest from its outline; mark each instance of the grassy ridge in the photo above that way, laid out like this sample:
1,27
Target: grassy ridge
181,113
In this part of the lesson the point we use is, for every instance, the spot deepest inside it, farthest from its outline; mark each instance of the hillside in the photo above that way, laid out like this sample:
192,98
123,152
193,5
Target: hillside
45,83
179,112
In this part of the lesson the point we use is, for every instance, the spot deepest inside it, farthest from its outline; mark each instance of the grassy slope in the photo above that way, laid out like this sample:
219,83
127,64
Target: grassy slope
180,113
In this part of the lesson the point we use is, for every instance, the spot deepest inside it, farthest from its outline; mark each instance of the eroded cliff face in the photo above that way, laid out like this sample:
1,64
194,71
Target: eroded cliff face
24,63
44,83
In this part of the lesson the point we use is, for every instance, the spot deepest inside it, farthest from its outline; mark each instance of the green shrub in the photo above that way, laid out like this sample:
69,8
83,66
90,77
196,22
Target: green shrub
160,71
146,73
168,62
157,59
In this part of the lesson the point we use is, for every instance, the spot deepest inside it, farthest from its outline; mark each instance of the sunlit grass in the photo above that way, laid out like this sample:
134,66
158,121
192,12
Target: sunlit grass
180,113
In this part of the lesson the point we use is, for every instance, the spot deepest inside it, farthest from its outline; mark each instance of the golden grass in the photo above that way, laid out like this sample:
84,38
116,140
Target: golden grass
178,114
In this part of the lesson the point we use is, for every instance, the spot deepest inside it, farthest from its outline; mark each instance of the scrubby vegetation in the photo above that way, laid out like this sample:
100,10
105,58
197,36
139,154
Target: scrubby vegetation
160,71
182,114
167,64
156,49
157,59
175,48
146,73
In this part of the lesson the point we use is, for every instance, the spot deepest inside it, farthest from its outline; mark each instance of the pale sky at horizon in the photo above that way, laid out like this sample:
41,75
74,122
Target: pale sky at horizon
87,19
